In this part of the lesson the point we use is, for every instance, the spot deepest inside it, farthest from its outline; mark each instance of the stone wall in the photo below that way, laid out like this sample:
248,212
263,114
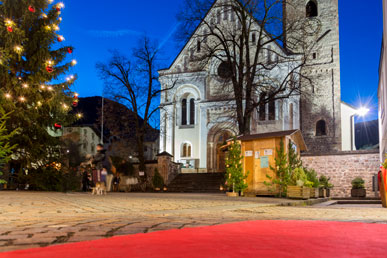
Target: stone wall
343,167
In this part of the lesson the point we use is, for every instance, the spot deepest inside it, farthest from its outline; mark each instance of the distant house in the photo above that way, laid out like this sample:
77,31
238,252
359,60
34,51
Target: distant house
87,138
382,90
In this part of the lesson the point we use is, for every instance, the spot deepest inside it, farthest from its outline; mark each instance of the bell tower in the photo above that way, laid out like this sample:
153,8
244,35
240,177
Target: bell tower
311,27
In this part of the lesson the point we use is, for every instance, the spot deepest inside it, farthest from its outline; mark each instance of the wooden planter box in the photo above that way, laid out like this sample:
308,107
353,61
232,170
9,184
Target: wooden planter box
314,193
358,193
298,192
321,192
232,194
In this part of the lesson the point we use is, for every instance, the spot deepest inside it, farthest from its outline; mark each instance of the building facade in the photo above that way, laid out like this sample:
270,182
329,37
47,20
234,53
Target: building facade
196,121
85,136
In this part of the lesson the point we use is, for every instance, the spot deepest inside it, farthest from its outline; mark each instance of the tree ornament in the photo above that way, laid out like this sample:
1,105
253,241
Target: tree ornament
61,38
57,126
10,29
75,103
49,69
31,9
70,50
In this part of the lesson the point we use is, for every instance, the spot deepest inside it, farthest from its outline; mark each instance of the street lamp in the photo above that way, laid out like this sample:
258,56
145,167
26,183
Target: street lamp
360,112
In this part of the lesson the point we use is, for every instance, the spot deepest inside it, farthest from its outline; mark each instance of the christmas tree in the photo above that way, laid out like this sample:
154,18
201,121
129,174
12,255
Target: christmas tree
236,179
33,85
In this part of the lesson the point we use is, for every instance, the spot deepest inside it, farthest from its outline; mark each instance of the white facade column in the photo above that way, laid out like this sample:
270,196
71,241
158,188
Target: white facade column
203,135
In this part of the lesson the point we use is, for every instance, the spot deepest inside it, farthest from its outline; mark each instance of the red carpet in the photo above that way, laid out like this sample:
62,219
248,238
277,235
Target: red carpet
246,239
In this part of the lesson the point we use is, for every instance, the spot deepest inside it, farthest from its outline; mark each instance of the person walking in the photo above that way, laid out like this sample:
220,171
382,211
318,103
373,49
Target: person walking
102,160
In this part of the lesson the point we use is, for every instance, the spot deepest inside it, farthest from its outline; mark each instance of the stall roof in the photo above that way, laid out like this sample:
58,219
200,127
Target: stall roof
279,134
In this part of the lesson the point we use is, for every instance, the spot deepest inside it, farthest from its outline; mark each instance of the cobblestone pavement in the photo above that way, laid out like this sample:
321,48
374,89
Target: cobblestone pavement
34,219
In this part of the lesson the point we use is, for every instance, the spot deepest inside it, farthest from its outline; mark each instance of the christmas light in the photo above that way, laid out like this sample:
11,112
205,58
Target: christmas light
76,95
79,115
47,27
18,49
61,38
60,5
65,107
50,1
20,78
8,96
74,62
39,103
44,16
25,85
22,99
42,87
49,88
72,77
55,27
50,62
8,22
60,18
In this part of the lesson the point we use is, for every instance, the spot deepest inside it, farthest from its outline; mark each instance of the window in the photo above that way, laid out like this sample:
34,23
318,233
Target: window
269,55
253,38
198,46
272,110
85,131
218,15
92,136
314,55
225,14
321,128
224,70
311,9
262,107
184,112
186,150
192,111
92,148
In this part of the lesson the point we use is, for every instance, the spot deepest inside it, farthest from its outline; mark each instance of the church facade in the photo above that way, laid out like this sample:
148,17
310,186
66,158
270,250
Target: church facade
196,122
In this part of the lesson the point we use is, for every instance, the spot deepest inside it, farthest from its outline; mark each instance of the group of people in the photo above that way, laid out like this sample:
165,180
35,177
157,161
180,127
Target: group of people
102,171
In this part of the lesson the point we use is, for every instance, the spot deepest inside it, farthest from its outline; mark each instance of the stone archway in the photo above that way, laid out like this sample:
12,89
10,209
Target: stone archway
217,137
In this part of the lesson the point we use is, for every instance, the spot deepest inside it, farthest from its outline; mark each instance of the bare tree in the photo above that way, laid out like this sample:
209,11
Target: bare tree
134,82
260,52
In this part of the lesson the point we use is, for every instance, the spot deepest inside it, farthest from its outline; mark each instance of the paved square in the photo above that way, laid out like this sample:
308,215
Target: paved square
34,219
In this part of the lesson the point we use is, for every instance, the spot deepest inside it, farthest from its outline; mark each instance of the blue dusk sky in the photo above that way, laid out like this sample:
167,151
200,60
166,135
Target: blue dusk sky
95,27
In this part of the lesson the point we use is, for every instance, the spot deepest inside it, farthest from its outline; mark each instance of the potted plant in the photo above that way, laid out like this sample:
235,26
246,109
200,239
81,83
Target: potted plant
299,185
157,180
312,177
236,180
358,189
325,186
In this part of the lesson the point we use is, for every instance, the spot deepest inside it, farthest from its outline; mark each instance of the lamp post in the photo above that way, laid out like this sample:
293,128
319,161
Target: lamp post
360,112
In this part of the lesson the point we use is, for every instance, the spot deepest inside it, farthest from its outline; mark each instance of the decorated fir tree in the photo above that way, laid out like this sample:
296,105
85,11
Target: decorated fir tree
281,170
34,63
235,178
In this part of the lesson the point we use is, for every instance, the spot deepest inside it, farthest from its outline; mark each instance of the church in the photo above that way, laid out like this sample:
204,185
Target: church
196,122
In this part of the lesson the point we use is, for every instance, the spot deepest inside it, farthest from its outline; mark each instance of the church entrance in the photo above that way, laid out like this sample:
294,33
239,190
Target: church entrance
216,158
221,155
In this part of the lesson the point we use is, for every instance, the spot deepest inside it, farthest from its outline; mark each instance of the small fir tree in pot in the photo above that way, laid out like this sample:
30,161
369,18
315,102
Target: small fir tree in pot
281,170
358,188
234,170
158,181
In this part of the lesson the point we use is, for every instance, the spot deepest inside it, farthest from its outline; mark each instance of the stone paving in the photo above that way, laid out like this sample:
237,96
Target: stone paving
35,219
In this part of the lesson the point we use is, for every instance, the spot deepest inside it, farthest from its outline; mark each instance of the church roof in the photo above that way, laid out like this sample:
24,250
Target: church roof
285,51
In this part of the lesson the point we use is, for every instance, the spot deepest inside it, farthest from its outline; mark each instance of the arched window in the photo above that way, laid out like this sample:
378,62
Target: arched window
186,150
184,112
191,111
311,9
272,109
321,128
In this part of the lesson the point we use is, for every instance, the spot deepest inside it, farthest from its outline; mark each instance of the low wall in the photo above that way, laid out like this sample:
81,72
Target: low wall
343,167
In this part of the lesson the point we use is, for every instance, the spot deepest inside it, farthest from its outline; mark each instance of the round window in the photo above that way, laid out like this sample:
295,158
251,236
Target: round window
225,70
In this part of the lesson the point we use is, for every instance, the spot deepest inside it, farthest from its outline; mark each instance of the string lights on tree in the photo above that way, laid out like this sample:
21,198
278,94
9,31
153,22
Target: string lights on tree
34,88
